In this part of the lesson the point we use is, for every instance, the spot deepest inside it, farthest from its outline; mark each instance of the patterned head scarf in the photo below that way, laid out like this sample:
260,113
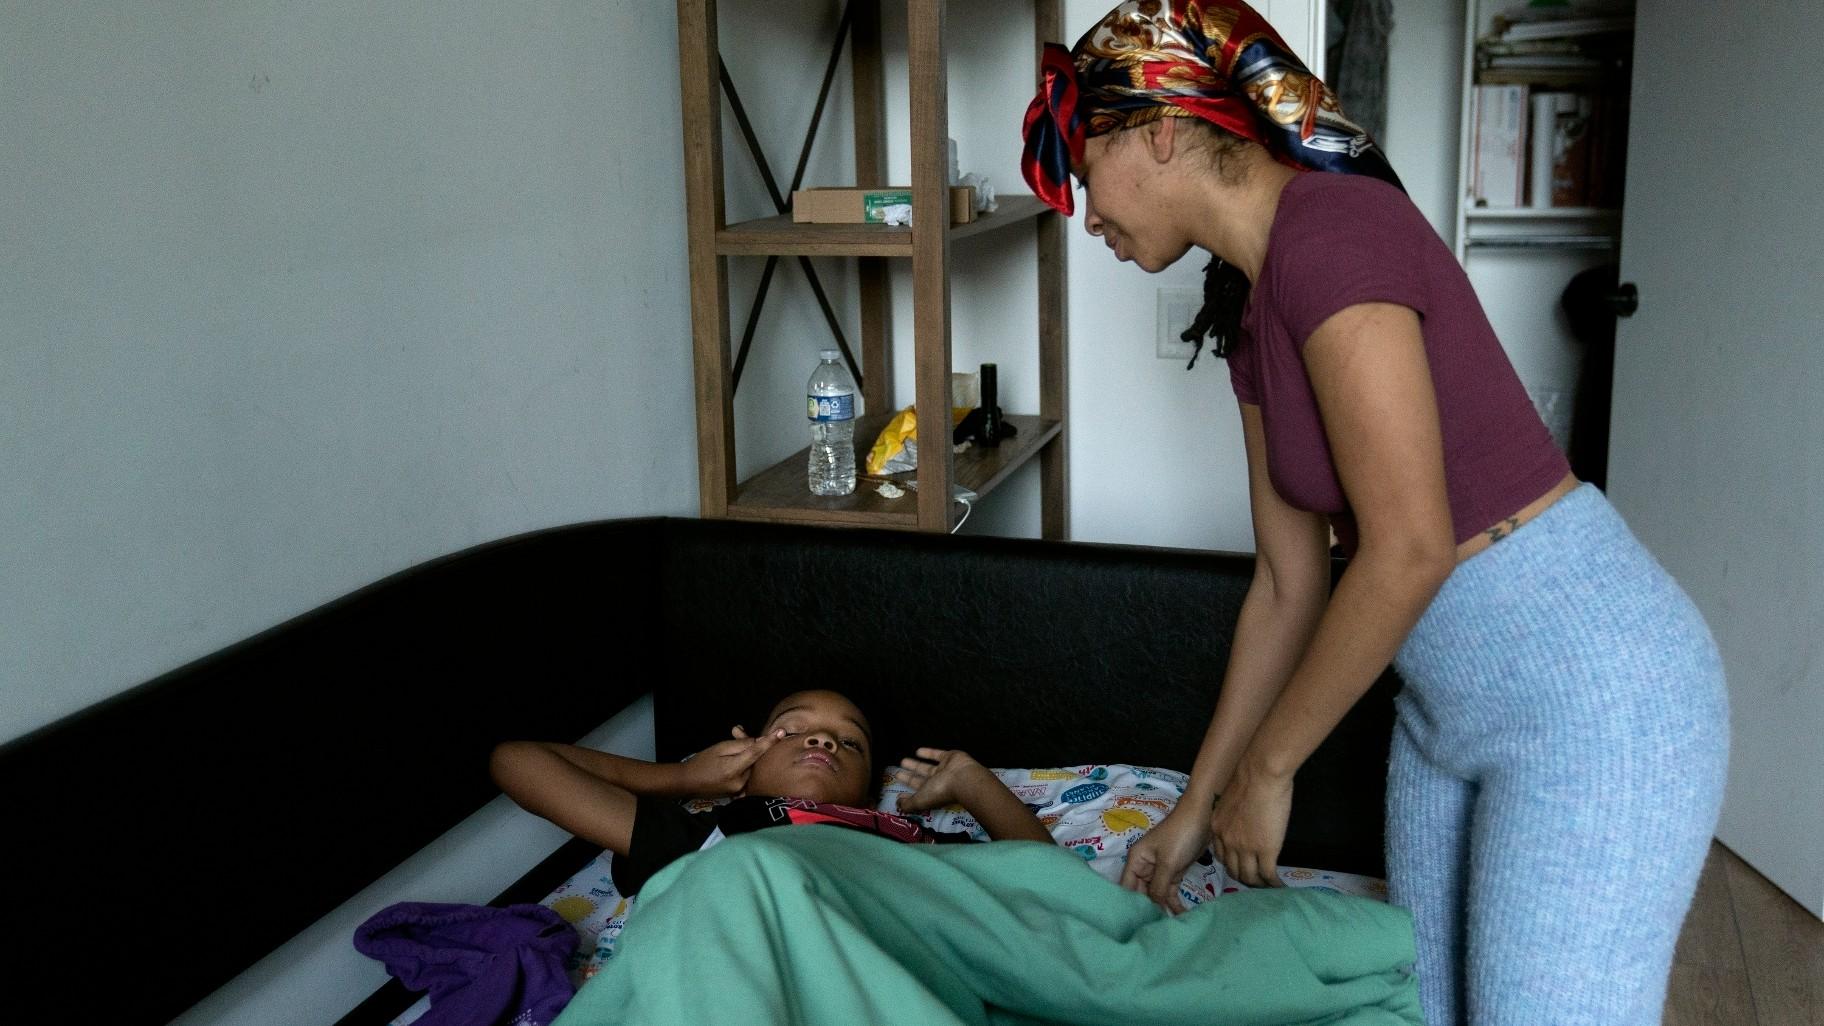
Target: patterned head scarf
1217,60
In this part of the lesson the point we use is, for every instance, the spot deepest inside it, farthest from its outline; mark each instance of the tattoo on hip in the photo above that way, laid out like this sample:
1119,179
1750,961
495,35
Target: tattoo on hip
1502,529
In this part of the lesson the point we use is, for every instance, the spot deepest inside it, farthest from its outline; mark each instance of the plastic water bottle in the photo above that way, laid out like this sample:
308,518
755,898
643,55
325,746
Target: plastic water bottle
832,412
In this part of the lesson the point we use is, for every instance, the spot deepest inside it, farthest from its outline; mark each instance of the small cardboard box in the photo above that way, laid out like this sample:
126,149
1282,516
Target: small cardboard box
868,206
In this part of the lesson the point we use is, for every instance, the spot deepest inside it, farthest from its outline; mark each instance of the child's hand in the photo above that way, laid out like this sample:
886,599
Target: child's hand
940,777
722,769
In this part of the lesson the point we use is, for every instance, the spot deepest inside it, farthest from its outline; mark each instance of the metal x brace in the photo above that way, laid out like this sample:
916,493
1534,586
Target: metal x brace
784,202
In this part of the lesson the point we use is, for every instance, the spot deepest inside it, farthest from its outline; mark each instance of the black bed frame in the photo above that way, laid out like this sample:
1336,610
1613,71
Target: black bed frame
340,743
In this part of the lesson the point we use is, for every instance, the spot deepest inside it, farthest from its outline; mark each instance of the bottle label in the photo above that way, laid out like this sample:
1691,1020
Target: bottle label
832,407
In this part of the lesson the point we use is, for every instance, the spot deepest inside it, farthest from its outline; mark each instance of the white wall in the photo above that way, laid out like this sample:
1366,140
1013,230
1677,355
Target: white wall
294,296
1424,105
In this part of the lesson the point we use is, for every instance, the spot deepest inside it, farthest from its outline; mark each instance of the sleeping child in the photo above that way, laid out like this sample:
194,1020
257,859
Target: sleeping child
812,763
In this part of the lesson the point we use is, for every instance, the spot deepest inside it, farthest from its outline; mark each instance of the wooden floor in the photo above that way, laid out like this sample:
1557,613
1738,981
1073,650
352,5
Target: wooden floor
1749,955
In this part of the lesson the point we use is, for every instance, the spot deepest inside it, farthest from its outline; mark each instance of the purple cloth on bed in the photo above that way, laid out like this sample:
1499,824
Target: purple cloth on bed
482,965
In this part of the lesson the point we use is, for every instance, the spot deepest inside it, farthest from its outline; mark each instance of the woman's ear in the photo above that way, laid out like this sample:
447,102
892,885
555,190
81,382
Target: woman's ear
1162,139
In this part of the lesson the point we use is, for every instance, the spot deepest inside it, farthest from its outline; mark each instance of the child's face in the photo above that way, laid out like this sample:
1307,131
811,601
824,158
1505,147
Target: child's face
826,754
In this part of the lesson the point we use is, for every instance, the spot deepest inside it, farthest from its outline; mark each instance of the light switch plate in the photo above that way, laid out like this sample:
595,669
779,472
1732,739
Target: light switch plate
1177,309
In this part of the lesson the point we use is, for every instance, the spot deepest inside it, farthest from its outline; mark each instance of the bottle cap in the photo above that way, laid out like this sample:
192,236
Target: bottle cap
829,354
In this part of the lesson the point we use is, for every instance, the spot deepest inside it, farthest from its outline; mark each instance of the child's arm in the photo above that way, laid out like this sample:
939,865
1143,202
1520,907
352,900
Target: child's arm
592,794
939,777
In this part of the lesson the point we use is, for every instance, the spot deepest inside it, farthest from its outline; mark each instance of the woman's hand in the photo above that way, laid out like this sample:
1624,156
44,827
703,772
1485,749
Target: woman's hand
1157,861
940,777
1248,826
722,769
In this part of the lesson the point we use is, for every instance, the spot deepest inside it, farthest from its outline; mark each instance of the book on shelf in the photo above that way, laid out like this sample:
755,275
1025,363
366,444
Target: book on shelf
1523,22
1573,150
1610,49
1496,47
1498,155
1545,61
1608,149
1554,63
1559,146
1568,184
1567,28
1543,78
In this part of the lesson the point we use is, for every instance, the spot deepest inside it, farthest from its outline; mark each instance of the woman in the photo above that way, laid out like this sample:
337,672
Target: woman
1559,752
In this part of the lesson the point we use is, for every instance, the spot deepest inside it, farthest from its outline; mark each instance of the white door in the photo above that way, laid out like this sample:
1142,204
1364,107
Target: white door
1717,458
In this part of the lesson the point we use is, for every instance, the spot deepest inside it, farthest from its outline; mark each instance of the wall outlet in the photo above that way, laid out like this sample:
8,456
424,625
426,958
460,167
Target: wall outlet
1177,309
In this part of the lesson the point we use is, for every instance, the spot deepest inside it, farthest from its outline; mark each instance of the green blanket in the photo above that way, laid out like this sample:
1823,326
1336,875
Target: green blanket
821,925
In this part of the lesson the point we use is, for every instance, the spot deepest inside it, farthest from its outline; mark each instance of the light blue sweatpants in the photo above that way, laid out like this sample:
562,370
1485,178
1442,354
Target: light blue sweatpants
1556,776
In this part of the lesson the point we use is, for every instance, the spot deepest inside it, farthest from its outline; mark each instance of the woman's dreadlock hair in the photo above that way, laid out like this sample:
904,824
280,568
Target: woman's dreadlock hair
1225,295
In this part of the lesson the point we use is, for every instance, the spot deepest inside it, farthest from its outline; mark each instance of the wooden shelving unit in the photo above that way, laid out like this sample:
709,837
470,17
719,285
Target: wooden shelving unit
780,493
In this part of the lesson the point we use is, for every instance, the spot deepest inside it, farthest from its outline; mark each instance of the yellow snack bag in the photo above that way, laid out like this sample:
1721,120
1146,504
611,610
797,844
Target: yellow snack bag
892,443
896,448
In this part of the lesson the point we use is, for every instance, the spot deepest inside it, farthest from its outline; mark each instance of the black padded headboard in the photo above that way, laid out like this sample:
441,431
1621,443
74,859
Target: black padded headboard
1024,653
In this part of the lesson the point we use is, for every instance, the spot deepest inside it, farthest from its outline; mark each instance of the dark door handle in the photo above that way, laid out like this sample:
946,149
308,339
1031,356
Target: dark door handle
1624,300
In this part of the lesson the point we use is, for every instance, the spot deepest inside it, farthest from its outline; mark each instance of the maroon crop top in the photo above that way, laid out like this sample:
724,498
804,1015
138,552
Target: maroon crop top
1338,240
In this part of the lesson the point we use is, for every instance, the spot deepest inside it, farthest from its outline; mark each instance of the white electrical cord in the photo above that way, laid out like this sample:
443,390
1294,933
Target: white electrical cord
968,508
960,494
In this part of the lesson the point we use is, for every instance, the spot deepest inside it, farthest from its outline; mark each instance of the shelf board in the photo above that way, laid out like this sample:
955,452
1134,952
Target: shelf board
1545,242
1541,213
1556,78
780,494
1541,228
781,236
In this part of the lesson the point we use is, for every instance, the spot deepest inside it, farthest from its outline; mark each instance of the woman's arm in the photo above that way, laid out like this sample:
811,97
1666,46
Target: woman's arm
1291,583
1373,385
1286,597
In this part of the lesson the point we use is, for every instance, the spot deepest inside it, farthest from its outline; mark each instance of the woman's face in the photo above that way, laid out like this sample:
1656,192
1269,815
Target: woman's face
1124,199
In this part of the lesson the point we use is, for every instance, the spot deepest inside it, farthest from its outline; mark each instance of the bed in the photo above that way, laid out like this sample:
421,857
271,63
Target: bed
305,750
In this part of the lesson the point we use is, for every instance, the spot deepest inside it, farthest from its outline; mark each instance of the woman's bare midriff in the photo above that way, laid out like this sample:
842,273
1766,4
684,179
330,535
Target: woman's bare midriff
1508,525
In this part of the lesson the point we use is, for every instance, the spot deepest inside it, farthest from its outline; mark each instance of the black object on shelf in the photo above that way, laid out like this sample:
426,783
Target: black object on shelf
969,429
991,409
985,425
